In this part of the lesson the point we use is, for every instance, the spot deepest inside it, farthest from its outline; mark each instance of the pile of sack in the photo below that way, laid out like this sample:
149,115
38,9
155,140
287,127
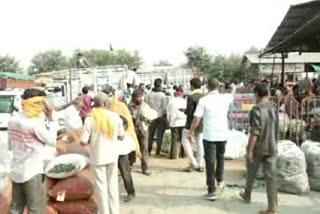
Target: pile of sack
312,152
236,146
291,169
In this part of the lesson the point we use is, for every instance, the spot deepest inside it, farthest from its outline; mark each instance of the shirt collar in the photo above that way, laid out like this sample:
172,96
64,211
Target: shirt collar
214,92
197,91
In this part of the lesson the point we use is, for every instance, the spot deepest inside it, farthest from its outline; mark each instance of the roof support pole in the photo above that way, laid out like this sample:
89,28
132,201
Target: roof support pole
282,68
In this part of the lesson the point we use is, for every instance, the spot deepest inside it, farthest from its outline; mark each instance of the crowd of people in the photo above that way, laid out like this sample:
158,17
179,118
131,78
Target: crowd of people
198,118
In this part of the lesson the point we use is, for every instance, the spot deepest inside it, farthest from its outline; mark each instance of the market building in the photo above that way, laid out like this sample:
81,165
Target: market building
297,66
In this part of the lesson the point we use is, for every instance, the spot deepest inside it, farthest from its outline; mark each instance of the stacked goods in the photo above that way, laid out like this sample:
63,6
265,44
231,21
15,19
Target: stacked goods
284,124
291,169
74,195
312,152
298,128
236,145
6,198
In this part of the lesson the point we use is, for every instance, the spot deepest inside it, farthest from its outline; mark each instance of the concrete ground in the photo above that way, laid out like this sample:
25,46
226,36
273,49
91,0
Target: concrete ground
170,191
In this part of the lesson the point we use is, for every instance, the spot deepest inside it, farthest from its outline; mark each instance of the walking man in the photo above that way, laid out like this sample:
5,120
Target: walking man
213,109
141,128
157,100
196,163
177,119
262,148
101,131
29,134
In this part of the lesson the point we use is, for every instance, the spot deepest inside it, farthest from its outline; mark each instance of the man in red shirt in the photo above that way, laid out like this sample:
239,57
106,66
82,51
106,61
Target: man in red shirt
87,100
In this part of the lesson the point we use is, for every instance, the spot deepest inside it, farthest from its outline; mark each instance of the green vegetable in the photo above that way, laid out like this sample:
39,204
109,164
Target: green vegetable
60,168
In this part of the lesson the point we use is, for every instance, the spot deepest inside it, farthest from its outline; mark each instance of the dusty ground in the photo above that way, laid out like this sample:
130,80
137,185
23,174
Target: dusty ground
171,191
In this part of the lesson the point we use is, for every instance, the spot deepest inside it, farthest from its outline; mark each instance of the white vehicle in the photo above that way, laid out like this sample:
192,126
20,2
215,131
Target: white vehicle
10,104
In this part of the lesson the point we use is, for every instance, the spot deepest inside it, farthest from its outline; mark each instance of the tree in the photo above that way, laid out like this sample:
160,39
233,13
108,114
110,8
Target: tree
226,68
199,59
98,58
9,64
52,60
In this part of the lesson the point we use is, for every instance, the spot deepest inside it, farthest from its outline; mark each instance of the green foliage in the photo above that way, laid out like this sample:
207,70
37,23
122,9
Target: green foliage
99,58
52,60
9,64
226,68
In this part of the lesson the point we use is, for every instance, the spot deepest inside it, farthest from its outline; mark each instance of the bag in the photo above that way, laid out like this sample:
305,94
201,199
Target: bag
6,198
312,152
284,124
236,145
148,113
76,207
65,166
49,209
5,161
72,189
50,183
291,169
166,142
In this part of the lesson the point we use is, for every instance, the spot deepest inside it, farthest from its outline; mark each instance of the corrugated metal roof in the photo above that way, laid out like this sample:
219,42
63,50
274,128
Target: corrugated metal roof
299,31
292,58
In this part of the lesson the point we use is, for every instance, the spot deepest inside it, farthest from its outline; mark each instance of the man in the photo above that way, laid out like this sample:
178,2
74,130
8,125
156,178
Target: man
29,135
213,109
87,101
141,128
196,163
262,148
177,120
101,131
72,117
124,165
157,100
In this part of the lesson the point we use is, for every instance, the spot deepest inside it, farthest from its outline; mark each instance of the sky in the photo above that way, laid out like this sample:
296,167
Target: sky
158,29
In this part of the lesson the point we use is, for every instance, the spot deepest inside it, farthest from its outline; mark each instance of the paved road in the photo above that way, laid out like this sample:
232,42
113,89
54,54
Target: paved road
171,191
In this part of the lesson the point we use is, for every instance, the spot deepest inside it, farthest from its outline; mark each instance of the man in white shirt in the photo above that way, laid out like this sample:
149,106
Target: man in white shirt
29,135
101,131
72,119
213,109
177,119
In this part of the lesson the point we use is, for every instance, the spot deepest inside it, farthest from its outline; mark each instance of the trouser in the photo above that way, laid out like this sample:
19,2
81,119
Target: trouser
143,143
197,162
124,167
176,136
269,167
32,193
158,125
107,189
212,150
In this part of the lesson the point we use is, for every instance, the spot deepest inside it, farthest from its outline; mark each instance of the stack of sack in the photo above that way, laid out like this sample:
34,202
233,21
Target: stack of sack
291,169
73,191
236,146
284,125
312,152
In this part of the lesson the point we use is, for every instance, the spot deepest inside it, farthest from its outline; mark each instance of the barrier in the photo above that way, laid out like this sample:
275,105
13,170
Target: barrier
297,121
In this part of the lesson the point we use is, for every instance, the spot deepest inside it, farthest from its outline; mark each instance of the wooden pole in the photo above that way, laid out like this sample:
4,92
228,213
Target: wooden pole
282,68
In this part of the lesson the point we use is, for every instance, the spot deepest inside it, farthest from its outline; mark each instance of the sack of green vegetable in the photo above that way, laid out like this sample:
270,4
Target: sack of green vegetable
65,166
